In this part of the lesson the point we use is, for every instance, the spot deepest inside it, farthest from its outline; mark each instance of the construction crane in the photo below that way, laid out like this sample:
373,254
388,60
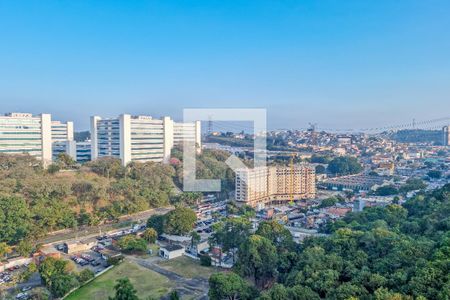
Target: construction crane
291,183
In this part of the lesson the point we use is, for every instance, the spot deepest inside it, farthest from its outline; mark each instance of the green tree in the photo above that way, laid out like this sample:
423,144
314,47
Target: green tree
62,284
156,222
180,221
386,190
328,202
320,159
344,165
53,168
277,234
150,235
205,260
231,233
57,277
228,286
132,243
15,219
65,161
412,184
277,292
24,248
85,275
320,169
30,270
195,238
257,259
108,167
435,174
302,293
4,249
174,295
124,290
190,198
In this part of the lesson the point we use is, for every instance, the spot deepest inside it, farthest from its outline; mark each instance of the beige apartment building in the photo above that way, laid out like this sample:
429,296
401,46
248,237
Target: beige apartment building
275,184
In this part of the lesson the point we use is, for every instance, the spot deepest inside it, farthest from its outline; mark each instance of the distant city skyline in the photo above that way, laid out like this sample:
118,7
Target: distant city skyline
341,64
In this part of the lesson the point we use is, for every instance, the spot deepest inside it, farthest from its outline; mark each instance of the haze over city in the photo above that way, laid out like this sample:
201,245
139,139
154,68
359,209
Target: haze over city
225,150
342,64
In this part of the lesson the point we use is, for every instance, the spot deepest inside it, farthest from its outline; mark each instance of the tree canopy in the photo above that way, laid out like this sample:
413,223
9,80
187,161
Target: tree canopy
179,221
34,201
392,252
344,165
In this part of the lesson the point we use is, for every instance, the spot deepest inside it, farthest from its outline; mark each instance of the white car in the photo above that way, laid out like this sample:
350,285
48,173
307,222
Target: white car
22,296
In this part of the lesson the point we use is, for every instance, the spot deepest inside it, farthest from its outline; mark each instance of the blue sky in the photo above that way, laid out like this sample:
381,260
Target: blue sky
338,63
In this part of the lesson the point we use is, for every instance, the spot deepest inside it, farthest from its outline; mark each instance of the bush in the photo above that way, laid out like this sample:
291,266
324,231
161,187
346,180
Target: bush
328,202
386,190
85,275
114,261
132,243
436,174
205,260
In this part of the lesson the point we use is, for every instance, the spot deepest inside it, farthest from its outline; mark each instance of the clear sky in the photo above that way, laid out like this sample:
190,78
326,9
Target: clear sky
339,63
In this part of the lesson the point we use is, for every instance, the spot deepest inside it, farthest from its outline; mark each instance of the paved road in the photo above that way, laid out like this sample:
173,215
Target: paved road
34,281
191,287
92,231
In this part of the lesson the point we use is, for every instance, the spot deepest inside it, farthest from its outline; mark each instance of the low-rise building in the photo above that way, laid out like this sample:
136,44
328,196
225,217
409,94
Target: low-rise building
171,251
108,254
77,246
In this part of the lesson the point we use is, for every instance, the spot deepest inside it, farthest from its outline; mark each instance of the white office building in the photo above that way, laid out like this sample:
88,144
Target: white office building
62,136
79,151
190,132
138,138
24,133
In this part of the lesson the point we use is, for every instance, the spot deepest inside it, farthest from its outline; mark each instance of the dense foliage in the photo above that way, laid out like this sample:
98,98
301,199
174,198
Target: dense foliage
34,201
382,253
58,276
209,165
417,136
179,221
131,243
344,165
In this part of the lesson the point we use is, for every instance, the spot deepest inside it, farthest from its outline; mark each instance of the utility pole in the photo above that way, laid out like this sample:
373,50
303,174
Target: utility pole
291,183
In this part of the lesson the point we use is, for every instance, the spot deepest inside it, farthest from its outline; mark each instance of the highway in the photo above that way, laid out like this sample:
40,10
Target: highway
93,231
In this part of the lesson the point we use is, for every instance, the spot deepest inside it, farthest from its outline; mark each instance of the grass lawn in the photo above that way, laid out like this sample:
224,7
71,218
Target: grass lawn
146,282
188,267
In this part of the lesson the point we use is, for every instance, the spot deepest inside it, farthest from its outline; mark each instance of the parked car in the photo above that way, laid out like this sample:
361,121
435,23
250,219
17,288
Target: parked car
95,263
84,262
22,296
87,257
